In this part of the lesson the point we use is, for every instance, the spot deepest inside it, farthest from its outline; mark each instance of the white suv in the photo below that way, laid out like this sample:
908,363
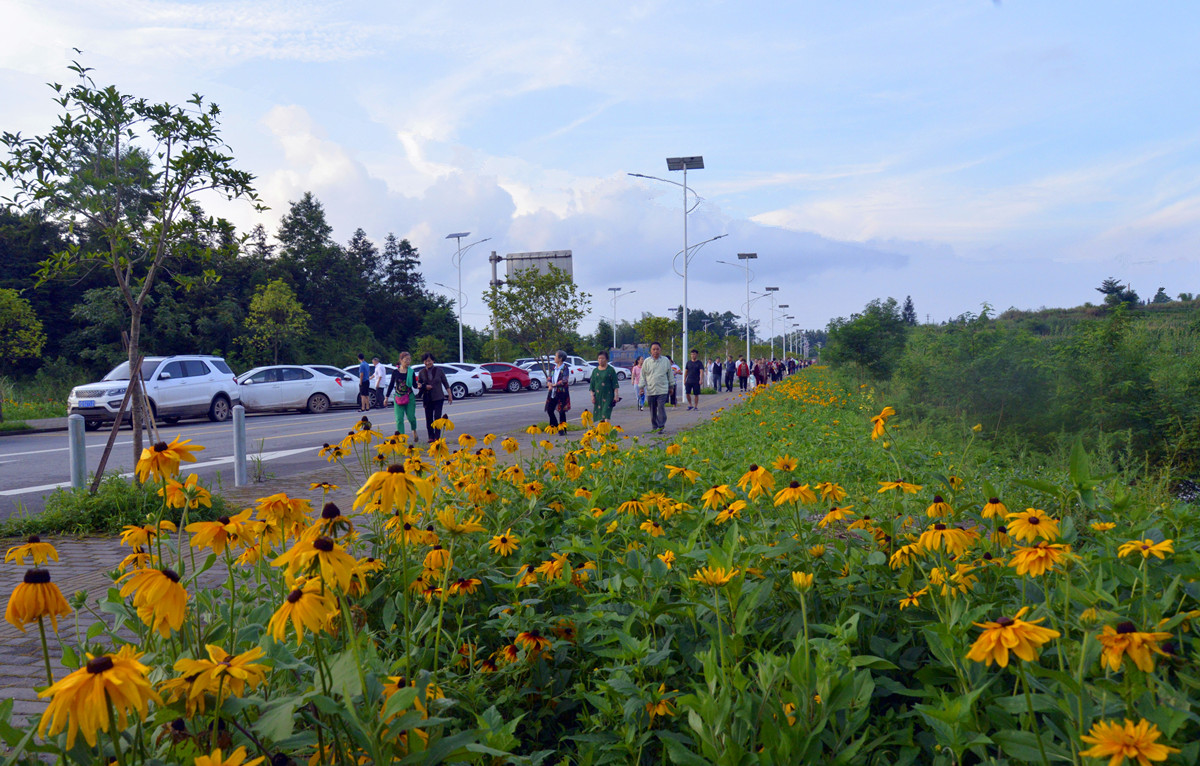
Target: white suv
177,386
580,371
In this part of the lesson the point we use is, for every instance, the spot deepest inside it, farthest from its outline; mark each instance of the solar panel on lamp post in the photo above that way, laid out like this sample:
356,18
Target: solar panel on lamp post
685,164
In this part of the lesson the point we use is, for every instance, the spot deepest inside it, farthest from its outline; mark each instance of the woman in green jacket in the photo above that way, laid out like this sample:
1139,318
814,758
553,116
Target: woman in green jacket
405,403
604,388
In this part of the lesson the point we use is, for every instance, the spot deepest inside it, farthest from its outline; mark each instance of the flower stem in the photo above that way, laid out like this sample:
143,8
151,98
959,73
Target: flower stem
45,651
1032,718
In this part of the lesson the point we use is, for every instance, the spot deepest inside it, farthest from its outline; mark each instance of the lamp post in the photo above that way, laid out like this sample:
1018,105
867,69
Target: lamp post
458,256
771,294
616,291
782,340
745,259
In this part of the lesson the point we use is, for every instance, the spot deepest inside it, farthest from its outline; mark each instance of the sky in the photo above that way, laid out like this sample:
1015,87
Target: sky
961,152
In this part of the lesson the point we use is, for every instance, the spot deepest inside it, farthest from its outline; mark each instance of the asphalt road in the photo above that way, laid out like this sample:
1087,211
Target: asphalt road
32,466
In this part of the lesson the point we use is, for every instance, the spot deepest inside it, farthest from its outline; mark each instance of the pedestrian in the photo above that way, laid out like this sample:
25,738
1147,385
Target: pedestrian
659,380
605,387
378,373
716,373
435,393
730,372
405,403
673,394
364,384
558,391
692,374
636,375
743,373
760,373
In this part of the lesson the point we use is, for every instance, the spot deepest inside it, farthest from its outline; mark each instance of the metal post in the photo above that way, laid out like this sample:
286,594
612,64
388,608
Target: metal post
494,259
684,351
460,342
78,451
747,312
240,478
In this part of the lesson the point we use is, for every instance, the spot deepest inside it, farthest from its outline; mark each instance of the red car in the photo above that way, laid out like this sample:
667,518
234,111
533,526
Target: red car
507,377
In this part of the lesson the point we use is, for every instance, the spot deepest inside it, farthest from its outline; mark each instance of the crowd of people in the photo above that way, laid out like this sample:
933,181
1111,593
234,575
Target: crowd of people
653,377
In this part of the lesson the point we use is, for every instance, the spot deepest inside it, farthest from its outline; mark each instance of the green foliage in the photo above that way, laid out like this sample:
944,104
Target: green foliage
21,335
872,342
117,503
276,318
655,329
429,344
539,312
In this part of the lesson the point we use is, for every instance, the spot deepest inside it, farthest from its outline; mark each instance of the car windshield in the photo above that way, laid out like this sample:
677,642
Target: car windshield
121,371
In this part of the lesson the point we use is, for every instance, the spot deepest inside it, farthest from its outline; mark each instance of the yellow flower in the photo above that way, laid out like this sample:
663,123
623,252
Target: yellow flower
231,674
802,580
1126,639
686,473
831,491
140,537
510,445
667,558
449,520
586,419
1039,559
324,486
714,577
188,493
1010,634
977,427
394,489
532,641
466,585
1031,524
321,554
1147,548
835,514
1117,741
532,489
673,449
236,758
162,459
734,511
900,484
33,598
160,600
938,508
533,430
504,544
438,559
305,607
817,551
756,481
653,527
38,551
785,463
913,599
795,492
552,569
661,705
81,701
1103,526
717,496
993,508
938,535
906,555
878,422
225,531
632,507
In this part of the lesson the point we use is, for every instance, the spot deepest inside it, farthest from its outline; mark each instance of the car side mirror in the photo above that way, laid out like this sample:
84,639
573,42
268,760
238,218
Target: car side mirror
164,376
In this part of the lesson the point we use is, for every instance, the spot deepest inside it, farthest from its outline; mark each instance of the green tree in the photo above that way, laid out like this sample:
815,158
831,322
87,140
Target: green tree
130,170
1161,296
21,335
275,318
1116,293
909,313
651,328
430,344
872,342
538,312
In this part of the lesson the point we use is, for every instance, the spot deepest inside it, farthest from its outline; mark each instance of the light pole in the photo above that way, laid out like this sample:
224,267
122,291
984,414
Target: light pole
771,294
745,259
781,340
616,291
458,237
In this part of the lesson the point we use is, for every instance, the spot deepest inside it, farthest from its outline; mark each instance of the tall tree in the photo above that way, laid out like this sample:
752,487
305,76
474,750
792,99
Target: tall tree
872,341
400,268
130,170
538,312
1161,296
275,318
909,313
21,333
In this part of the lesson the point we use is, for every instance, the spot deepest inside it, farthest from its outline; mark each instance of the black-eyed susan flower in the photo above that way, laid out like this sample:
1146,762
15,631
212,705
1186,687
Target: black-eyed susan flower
794,493
532,489
395,489
81,701
189,493
331,523
816,551
324,486
38,552
526,575
756,481
1036,560
831,491
1126,640
901,485
162,459
363,570
228,673
686,473
35,597
1010,634
225,531
136,560
142,536
234,758
1147,548
653,528
633,507
1103,526
717,496
802,581
667,558
160,599
734,511
939,536
835,514
448,517
437,559
660,705
714,577
1030,524
905,555
533,642
306,607
504,544
938,508
784,463
319,555
879,422
553,568
993,508
913,599
466,585
999,536
1120,741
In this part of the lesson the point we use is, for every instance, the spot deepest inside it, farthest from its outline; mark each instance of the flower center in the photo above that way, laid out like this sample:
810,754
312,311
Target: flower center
1126,627
160,447
37,576
503,540
330,511
994,500
1002,530
939,527
1004,622
1033,520
794,485
323,544
179,725
295,596
98,665
938,499
34,539
223,519
171,575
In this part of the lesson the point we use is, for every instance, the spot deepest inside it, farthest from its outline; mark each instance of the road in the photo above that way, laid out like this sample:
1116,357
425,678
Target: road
32,466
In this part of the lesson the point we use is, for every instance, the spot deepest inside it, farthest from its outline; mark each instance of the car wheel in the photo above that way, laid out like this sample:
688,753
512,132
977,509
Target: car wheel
535,384
459,391
514,386
218,411
172,419
92,425
318,403
622,376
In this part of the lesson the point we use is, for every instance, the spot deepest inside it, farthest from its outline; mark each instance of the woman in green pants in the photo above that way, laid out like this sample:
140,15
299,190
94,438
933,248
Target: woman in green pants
405,403
604,388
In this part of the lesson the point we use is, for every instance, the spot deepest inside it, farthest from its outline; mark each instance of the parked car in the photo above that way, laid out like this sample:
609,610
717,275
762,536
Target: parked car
462,384
537,378
622,373
177,387
348,388
580,372
576,372
291,387
508,377
484,374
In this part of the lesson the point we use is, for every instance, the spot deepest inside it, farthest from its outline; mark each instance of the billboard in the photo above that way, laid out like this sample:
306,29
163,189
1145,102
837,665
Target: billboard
540,261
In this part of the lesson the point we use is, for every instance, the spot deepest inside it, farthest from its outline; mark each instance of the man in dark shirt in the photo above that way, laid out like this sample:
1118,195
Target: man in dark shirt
692,373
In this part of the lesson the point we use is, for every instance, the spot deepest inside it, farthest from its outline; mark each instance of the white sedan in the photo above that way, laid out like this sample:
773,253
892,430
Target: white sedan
467,367
535,370
348,384
462,384
289,387
622,373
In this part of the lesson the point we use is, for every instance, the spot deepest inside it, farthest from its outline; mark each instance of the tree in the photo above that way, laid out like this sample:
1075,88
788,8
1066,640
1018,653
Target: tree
429,344
1161,296
400,268
275,318
909,314
538,312
872,341
129,170
21,333
1116,293
1186,297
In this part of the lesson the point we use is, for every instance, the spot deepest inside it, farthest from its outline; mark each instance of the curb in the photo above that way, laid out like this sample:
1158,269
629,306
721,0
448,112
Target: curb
24,431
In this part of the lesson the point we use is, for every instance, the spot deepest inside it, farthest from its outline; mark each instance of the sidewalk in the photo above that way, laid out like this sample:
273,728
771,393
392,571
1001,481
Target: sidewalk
85,562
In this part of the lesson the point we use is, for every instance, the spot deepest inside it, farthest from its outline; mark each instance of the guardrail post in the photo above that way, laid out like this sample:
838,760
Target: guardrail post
239,446
78,451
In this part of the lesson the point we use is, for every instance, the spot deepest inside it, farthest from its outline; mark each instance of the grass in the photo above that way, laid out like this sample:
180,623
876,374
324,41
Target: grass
15,425
29,400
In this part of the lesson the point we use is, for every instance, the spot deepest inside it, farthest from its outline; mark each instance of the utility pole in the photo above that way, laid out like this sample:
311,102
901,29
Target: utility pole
495,284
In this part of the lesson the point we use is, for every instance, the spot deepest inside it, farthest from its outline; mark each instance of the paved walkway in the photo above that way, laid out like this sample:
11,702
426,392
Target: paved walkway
85,563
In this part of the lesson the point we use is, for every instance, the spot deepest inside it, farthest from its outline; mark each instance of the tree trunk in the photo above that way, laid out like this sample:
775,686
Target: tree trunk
135,398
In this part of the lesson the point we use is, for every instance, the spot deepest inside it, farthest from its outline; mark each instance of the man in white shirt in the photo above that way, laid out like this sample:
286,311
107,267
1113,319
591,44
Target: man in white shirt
377,376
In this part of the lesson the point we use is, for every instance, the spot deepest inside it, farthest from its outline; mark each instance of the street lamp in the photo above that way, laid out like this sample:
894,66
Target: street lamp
771,293
782,340
745,259
457,260
616,291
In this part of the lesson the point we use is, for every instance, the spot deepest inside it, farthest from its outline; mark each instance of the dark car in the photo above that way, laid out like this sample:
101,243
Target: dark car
507,377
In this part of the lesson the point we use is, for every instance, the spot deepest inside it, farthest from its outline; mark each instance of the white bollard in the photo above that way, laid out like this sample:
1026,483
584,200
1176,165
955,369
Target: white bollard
240,478
78,451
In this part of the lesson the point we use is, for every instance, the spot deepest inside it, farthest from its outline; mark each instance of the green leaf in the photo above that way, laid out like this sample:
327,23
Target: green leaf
278,721
1021,745
874,663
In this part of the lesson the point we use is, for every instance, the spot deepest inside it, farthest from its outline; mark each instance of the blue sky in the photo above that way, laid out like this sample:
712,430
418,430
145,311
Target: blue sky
959,152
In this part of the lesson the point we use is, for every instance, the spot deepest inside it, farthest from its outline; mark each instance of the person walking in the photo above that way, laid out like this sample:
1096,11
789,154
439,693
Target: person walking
378,373
435,393
743,373
730,372
604,388
693,372
558,391
658,380
405,403
673,394
364,384
636,376
716,373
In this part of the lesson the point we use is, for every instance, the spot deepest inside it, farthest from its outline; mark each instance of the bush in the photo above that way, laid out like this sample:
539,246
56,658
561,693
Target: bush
117,502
